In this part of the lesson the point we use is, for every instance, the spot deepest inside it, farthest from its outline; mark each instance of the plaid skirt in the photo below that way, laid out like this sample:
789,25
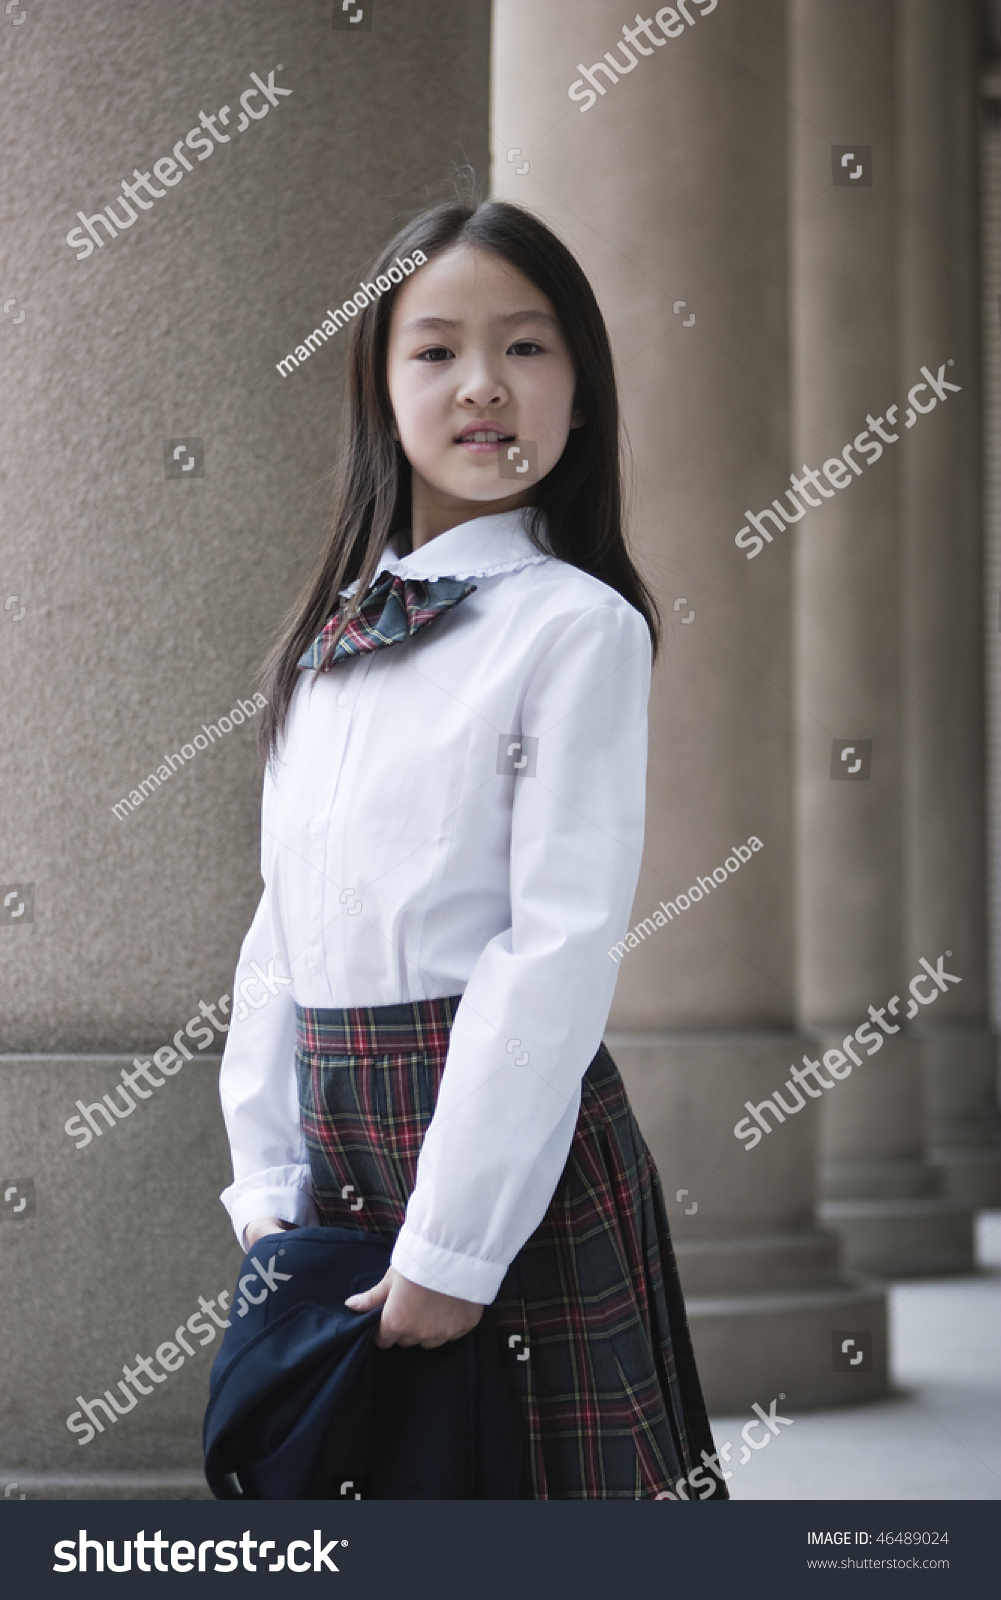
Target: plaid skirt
609,1390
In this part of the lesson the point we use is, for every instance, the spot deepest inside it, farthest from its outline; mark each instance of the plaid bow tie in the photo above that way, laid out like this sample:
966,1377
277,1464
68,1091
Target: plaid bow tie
392,610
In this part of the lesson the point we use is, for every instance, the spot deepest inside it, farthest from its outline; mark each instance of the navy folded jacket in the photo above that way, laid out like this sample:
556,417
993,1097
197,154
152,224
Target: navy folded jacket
302,1406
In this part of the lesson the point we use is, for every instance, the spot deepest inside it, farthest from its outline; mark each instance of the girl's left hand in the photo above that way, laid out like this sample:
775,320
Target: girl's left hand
413,1315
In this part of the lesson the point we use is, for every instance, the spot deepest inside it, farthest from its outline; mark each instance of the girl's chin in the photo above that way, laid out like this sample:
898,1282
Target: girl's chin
475,487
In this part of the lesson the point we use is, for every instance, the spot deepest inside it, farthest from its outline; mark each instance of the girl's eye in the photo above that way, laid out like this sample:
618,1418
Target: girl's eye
438,352
525,347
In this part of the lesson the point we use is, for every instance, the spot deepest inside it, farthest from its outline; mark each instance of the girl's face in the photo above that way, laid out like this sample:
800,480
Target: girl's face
475,350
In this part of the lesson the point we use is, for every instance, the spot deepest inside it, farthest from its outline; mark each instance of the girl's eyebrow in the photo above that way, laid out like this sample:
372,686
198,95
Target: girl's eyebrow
427,322
532,315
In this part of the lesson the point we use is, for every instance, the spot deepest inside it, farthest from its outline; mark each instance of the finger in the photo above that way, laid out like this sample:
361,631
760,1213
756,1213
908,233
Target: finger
370,1298
362,1302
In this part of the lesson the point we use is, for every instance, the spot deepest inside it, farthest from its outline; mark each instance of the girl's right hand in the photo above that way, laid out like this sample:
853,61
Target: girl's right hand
259,1227
415,1315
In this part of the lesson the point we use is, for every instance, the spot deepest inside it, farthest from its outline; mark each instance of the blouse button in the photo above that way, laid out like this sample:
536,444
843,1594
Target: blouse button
342,698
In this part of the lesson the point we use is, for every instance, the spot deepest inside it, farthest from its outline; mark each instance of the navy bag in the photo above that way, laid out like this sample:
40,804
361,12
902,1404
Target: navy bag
302,1406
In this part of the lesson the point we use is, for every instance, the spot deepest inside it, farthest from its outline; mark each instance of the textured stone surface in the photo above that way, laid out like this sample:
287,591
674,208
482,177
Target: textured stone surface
149,600
765,1286
127,1234
658,215
943,610
671,226
872,861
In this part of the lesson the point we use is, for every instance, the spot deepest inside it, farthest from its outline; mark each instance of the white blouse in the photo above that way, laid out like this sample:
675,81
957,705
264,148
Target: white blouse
461,813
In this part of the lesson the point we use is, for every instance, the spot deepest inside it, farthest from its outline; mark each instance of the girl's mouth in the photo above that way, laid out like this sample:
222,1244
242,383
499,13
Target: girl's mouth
483,440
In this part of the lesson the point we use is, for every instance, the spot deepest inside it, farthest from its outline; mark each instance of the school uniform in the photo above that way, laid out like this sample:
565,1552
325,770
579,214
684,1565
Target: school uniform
451,840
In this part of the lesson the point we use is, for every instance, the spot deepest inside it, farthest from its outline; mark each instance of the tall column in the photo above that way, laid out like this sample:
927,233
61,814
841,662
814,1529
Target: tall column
943,587
670,185
990,322
880,1194
150,583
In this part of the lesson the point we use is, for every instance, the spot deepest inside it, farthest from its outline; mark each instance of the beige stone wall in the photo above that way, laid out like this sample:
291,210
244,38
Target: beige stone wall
759,311
149,600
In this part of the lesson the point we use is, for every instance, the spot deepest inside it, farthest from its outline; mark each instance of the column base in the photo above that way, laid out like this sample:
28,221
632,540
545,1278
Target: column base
962,1114
107,1486
879,1180
764,1286
916,1238
778,1261
971,1173
880,1194
758,1347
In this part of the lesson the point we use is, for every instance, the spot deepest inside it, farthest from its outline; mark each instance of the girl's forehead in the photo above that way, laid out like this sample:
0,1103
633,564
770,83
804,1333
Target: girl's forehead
464,279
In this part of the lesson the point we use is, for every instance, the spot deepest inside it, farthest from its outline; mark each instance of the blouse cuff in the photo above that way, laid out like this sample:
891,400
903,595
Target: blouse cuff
284,1192
465,1277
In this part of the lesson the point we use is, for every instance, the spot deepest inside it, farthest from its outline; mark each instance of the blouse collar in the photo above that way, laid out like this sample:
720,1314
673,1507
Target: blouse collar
478,549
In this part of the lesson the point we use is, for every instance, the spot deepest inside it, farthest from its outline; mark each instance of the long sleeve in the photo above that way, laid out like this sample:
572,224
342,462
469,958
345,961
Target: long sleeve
257,1085
532,1015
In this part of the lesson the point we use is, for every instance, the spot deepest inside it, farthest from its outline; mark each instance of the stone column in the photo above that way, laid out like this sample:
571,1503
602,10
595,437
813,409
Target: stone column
943,587
150,584
990,323
669,183
852,799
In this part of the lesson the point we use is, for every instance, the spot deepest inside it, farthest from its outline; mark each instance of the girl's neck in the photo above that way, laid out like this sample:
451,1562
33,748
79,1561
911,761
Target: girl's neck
433,513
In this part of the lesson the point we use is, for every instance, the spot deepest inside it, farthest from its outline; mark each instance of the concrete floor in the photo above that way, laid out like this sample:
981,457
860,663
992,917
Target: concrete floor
936,1438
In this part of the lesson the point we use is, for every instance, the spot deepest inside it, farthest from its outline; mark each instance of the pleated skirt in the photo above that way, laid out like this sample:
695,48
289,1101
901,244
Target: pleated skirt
590,1317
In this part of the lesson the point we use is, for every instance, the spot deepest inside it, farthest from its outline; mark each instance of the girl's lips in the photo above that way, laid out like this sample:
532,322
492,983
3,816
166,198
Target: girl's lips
484,446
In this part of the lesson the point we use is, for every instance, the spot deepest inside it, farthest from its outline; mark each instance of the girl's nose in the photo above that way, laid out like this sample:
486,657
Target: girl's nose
479,386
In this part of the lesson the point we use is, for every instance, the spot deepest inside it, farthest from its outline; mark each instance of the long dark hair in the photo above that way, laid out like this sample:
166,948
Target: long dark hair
579,503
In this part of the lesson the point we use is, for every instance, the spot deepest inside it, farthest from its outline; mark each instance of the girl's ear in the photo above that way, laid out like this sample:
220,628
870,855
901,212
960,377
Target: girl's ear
578,417
394,432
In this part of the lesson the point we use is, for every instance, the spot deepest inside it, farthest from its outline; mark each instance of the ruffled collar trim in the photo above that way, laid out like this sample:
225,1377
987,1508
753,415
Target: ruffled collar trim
483,548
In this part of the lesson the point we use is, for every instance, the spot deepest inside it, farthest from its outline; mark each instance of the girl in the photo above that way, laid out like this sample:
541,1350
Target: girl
452,831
